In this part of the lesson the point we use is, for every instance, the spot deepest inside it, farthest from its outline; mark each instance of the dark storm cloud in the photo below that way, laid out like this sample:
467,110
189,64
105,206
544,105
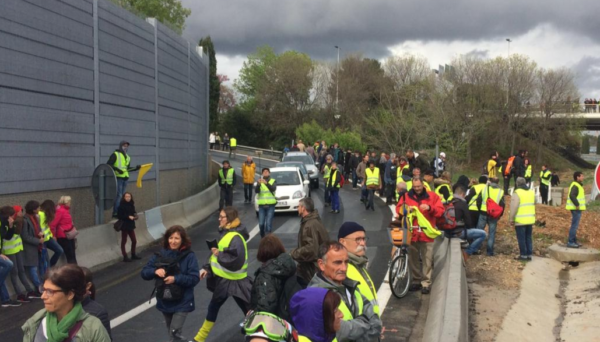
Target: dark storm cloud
371,26
587,72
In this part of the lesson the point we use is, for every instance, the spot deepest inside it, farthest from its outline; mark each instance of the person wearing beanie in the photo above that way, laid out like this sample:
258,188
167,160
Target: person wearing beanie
119,161
353,236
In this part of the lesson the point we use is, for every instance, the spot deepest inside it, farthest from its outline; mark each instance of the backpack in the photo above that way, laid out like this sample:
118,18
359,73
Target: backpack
509,165
168,292
288,289
494,210
448,220
342,180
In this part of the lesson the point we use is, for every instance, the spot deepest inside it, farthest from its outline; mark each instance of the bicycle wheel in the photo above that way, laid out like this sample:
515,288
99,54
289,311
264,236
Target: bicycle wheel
399,276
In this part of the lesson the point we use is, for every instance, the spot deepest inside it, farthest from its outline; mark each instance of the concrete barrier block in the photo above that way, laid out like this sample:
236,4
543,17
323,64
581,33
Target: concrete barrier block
154,223
198,207
564,254
173,214
98,245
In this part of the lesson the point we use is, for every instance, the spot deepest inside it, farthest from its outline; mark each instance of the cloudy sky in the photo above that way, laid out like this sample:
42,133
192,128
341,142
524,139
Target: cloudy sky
553,33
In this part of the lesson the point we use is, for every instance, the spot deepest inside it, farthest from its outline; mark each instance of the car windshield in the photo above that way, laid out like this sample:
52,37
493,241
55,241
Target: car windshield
303,159
285,177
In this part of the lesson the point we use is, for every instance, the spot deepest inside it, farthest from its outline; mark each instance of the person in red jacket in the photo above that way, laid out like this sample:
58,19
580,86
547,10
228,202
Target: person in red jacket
63,222
421,248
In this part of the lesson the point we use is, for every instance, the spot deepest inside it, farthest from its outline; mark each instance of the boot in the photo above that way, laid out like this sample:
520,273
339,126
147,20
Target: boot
204,331
135,257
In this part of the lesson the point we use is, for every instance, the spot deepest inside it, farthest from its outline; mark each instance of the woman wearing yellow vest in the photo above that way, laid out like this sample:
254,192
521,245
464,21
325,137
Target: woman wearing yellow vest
47,214
227,269
576,205
522,216
315,314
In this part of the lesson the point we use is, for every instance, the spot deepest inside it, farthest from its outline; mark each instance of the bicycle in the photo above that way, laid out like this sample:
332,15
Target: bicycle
399,276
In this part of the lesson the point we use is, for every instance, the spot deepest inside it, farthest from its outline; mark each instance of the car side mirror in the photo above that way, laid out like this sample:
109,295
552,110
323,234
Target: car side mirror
306,182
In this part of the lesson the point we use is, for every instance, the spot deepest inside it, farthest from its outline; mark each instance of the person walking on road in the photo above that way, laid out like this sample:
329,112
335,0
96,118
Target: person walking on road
61,225
522,217
211,140
217,141
227,180
576,204
355,162
265,188
119,160
326,175
354,237
389,179
372,182
361,177
311,235
128,215
463,221
12,248
300,145
316,314
248,174
545,178
33,241
176,272
89,303
47,213
430,208
232,147
360,322
227,270
226,141
333,186
491,191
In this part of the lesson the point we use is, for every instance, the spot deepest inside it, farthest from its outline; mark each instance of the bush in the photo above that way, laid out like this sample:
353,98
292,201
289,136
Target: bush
311,132
585,145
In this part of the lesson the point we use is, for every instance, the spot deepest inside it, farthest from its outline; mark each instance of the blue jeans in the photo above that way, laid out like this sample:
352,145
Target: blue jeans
354,179
327,196
371,195
32,272
335,199
56,248
121,186
477,235
524,239
5,267
265,219
364,193
575,217
492,223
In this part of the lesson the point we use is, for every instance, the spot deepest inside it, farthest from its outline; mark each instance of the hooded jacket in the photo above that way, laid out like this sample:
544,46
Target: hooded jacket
363,327
418,161
113,158
268,283
233,259
126,209
62,222
188,278
91,330
311,235
306,308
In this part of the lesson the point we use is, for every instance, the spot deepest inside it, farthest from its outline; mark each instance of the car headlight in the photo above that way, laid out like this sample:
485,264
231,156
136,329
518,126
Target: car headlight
298,194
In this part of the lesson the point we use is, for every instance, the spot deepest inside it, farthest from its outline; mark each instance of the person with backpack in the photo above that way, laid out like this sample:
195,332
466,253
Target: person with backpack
175,272
227,270
464,224
354,237
491,207
472,195
269,279
522,217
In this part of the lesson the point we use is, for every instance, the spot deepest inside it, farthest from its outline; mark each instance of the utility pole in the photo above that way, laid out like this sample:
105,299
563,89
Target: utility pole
514,133
337,81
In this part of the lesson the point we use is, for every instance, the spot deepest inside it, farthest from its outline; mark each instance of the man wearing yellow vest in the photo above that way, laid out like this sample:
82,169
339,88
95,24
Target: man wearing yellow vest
232,147
443,187
12,248
227,181
522,216
360,322
6,265
326,175
528,172
545,177
493,191
576,204
354,238
333,186
119,160
266,200
372,182
472,195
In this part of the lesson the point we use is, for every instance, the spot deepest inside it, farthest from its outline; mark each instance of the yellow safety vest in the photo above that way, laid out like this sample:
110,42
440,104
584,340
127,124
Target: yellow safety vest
122,163
229,178
221,271
365,286
233,142
526,211
348,316
12,246
45,226
473,201
495,194
265,196
399,171
372,176
333,179
528,172
303,339
438,192
544,177
327,172
580,197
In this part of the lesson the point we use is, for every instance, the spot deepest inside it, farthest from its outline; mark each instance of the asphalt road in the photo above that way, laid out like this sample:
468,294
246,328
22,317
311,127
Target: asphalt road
121,289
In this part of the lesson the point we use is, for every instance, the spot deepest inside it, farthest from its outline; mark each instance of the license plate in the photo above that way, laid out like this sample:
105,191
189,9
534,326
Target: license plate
281,203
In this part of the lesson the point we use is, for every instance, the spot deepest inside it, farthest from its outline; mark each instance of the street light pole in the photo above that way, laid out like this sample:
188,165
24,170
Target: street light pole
337,81
514,136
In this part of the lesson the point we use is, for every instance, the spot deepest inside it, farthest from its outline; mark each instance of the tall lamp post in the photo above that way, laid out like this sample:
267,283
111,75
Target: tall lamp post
512,145
337,81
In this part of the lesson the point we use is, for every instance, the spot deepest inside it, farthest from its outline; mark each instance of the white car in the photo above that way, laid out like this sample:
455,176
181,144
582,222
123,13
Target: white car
291,188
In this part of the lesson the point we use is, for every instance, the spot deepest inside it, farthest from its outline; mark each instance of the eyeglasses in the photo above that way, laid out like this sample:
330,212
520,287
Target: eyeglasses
49,292
359,239
274,327
222,217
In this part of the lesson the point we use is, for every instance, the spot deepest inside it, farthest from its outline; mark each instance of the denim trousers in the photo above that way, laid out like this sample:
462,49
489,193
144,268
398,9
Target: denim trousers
525,239
121,187
478,236
335,199
492,223
248,191
5,268
53,245
575,218
265,219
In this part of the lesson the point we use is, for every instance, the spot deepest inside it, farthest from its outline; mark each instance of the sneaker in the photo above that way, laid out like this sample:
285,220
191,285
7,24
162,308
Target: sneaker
521,258
529,258
135,257
572,245
336,212
34,294
415,287
23,299
11,303
332,211
425,290
126,259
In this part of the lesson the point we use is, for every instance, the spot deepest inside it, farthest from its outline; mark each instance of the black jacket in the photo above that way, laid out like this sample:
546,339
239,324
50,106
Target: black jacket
268,283
332,185
419,161
126,209
462,214
97,310
573,195
519,166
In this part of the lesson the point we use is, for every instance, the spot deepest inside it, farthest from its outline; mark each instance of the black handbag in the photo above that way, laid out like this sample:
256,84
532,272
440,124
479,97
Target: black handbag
118,225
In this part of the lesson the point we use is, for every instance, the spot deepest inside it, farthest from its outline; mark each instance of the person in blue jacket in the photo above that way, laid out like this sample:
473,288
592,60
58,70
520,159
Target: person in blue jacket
184,273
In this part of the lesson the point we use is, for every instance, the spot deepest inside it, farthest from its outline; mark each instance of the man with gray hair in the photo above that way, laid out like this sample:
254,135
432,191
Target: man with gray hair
522,216
311,235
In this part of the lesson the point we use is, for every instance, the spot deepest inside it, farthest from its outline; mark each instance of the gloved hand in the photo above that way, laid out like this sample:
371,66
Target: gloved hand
137,167
119,171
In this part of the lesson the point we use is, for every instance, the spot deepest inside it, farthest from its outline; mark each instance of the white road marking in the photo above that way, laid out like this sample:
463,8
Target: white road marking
385,293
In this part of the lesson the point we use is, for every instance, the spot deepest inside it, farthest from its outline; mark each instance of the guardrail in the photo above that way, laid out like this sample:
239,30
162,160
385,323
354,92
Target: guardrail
264,153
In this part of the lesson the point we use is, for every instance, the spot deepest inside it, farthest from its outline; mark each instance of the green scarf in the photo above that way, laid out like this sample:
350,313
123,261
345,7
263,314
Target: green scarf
59,331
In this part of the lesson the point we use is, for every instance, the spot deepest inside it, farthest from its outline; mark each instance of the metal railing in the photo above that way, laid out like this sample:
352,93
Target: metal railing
262,152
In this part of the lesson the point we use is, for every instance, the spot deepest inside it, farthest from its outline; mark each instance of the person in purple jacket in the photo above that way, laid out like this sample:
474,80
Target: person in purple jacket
315,314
